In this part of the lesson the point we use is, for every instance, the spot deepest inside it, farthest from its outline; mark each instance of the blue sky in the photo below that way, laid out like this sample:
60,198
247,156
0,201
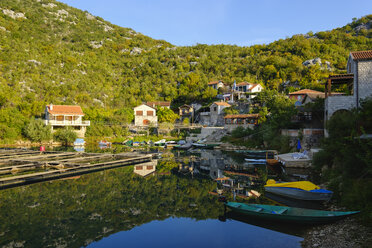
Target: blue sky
236,22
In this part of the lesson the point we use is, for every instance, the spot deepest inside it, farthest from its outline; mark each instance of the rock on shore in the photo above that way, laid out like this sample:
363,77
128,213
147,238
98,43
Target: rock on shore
347,233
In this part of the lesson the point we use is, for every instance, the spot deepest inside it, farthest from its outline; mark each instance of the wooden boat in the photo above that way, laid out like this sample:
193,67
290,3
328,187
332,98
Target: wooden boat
301,190
288,214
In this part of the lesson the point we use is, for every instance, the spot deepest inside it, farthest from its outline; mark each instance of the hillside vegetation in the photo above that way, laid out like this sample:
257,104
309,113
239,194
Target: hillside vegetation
53,53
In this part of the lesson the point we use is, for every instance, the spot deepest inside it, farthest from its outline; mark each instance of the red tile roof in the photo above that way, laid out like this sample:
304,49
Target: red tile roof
253,86
222,104
64,109
243,83
242,116
158,104
362,55
305,92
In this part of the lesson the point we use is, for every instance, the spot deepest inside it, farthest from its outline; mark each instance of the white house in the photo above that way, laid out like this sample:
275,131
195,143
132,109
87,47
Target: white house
145,115
60,116
245,87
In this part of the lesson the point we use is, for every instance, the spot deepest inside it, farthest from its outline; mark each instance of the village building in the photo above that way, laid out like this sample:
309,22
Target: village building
247,90
216,113
61,116
305,96
358,81
159,104
186,111
240,120
145,169
216,84
145,115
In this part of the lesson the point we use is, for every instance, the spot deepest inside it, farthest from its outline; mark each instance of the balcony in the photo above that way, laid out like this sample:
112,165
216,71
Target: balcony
66,123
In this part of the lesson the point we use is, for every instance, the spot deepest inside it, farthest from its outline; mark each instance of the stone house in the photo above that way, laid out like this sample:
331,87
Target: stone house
186,111
216,84
216,113
145,115
61,116
358,81
240,120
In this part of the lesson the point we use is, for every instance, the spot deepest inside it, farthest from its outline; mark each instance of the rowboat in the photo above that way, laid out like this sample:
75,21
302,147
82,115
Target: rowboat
301,190
204,146
288,214
255,160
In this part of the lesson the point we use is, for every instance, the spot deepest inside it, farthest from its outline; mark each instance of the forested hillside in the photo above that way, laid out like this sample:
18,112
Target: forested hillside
53,53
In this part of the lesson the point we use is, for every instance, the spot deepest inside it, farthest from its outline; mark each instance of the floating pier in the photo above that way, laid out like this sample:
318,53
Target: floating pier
20,167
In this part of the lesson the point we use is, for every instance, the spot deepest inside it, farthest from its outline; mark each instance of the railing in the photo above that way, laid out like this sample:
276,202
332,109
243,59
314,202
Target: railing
67,123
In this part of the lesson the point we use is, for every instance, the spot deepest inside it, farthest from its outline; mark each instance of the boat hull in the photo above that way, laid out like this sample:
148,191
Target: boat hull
288,214
300,194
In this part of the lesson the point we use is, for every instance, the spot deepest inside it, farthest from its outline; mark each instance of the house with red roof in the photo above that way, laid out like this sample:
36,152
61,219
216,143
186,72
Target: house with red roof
216,84
240,120
61,116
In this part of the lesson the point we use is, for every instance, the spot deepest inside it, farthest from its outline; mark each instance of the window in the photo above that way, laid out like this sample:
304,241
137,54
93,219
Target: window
150,113
150,167
215,109
139,113
139,167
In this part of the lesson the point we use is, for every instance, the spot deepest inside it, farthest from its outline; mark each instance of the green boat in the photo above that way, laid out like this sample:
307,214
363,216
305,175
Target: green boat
288,214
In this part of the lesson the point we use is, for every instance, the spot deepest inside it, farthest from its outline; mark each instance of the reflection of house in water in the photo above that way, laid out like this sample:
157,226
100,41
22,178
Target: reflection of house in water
145,169
212,162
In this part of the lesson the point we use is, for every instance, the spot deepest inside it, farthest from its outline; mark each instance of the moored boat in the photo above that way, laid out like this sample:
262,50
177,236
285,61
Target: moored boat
288,214
301,190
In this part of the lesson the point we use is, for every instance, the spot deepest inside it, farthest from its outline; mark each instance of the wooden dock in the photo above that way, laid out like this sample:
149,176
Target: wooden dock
20,167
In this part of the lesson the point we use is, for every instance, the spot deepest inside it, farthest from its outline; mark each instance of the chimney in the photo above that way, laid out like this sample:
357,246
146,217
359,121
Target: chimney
51,106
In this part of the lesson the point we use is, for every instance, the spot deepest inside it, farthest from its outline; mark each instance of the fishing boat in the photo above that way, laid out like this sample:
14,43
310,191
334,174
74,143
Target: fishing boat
185,146
160,142
288,214
255,160
104,143
79,142
204,146
301,190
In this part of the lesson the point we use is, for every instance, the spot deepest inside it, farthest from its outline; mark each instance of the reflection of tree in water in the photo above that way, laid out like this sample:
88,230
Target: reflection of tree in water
77,212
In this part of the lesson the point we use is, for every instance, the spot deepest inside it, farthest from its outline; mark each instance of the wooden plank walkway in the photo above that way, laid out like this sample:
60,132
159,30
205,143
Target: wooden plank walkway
65,164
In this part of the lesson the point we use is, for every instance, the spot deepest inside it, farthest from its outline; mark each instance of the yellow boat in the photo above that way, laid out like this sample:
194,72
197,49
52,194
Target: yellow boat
305,185
301,190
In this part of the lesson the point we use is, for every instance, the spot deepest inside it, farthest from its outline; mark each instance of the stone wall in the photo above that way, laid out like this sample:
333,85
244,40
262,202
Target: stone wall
335,103
365,79
311,137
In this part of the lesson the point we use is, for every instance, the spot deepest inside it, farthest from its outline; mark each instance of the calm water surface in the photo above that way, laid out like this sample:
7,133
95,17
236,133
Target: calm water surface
117,208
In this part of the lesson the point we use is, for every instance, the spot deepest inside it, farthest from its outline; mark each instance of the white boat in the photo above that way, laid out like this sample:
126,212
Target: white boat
79,142
256,160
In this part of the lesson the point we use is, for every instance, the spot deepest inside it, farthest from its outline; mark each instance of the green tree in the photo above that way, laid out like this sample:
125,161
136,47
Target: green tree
166,115
65,135
37,131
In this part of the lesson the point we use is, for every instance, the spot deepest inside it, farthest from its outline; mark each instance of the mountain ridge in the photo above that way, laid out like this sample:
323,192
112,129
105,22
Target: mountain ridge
54,53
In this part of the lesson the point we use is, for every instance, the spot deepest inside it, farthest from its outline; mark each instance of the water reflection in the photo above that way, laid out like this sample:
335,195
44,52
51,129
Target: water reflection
115,207
186,232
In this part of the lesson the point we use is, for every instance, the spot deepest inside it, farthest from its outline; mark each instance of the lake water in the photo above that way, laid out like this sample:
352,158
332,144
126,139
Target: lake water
117,208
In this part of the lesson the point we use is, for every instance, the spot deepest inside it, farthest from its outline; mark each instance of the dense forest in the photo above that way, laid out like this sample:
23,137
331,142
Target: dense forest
53,53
